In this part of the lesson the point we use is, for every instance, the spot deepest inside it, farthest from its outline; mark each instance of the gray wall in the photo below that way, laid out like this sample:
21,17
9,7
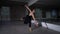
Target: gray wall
17,12
5,13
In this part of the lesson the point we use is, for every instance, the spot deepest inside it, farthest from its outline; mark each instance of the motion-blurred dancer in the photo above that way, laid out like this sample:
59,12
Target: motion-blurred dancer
30,16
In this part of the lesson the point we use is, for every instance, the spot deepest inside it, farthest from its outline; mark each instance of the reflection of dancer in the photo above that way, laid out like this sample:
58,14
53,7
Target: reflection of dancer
30,16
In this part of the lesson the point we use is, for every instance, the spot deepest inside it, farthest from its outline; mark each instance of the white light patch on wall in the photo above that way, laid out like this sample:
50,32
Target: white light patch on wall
44,24
51,26
54,27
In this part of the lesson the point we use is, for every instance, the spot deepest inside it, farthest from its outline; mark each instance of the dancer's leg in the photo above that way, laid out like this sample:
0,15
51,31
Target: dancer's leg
30,29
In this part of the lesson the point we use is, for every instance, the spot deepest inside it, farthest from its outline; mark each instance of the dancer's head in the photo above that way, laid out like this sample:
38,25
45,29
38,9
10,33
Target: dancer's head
33,10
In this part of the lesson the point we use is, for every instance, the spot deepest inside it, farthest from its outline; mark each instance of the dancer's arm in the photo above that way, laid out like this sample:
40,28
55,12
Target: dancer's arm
28,8
33,17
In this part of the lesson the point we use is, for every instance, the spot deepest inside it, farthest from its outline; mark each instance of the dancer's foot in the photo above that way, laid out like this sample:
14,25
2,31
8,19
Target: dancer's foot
30,30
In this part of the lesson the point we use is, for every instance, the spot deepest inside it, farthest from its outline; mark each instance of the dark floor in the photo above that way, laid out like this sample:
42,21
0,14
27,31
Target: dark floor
20,28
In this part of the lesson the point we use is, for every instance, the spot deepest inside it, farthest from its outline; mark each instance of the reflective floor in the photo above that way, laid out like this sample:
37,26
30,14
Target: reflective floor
20,28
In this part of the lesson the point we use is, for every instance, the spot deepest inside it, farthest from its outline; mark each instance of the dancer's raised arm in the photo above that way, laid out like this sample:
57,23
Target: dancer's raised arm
28,8
33,17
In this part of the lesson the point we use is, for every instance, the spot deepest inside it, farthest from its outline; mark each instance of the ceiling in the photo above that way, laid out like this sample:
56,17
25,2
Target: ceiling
47,3
20,0
39,3
43,3
12,2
